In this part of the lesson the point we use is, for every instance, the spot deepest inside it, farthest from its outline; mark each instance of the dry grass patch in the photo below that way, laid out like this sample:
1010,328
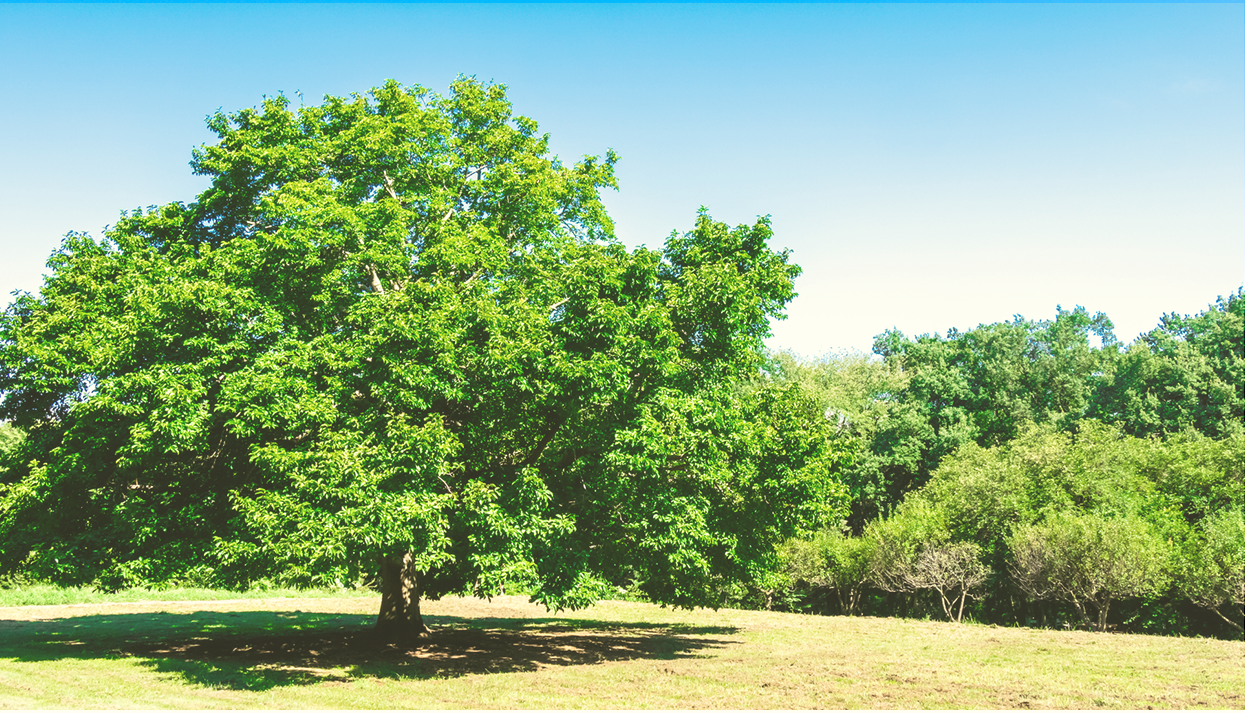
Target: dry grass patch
317,653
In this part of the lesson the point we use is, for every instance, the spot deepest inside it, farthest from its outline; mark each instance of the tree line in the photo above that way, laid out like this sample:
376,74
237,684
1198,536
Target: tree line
1036,471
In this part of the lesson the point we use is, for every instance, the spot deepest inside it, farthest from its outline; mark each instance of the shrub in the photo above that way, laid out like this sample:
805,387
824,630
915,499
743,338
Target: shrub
1212,566
896,544
954,570
1088,561
831,561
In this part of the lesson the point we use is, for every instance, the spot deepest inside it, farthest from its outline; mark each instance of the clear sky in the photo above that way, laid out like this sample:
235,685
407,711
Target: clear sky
930,166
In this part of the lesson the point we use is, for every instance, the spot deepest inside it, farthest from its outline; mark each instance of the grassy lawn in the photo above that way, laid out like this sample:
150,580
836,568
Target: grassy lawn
317,653
27,595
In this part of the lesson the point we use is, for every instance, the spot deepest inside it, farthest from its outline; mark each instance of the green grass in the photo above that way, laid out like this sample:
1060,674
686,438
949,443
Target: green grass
47,594
507,653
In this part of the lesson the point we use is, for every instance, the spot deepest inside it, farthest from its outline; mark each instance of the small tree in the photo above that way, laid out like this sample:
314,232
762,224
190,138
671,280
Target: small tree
833,561
1212,566
954,570
1088,561
896,543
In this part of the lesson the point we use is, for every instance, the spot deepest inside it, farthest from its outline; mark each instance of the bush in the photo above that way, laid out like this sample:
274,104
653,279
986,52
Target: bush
1212,566
911,551
1088,561
953,570
831,561
896,544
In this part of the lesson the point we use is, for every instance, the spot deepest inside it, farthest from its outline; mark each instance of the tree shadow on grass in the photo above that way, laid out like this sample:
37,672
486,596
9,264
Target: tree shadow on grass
260,650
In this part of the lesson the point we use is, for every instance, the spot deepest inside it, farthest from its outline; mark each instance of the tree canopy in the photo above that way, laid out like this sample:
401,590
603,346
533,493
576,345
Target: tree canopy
1028,432
397,338
1185,374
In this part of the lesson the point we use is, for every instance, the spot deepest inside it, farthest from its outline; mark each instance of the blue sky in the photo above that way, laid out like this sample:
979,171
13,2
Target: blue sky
931,166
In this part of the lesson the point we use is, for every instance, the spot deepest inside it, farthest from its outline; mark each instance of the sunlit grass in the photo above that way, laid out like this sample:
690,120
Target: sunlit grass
507,653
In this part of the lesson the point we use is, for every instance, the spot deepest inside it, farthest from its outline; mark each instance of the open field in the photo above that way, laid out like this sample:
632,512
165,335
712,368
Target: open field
317,653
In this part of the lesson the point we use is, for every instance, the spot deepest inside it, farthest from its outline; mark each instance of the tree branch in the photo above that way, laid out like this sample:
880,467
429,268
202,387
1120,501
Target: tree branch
470,279
389,186
544,442
448,489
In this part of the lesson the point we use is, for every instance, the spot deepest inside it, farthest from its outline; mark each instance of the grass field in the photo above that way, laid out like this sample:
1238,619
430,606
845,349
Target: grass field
27,595
507,653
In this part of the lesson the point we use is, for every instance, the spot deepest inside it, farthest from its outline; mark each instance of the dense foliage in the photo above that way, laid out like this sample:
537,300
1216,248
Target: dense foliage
396,343
396,340
1078,474
1187,373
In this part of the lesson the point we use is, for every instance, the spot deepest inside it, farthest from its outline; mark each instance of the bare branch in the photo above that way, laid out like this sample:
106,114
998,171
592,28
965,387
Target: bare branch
448,489
389,186
461,192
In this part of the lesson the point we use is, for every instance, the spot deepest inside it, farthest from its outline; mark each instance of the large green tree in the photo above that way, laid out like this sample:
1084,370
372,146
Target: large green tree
396,339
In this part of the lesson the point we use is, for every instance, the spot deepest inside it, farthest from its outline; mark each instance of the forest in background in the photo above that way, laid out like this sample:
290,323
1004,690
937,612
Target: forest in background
1033,472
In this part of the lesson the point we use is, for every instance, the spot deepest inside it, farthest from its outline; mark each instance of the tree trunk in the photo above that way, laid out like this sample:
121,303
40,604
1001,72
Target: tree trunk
399,616
1086,620
946,605
1102,614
